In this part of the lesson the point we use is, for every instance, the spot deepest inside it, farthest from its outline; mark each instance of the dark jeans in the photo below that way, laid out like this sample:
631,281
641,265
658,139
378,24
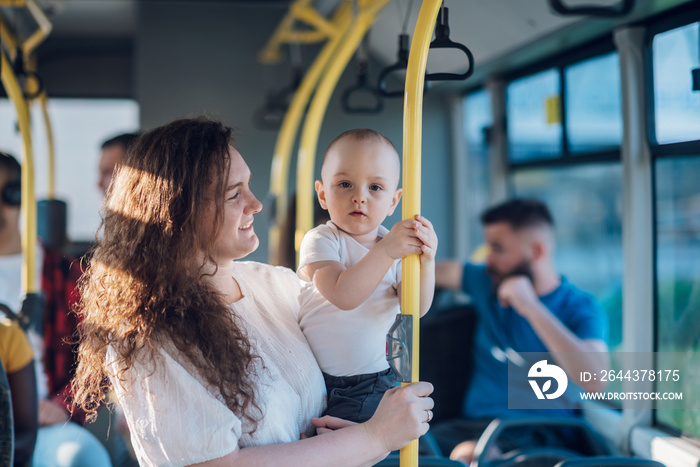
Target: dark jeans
357,397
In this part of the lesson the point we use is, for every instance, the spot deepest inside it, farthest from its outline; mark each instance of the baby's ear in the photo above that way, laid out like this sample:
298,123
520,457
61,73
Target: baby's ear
395,200
321,194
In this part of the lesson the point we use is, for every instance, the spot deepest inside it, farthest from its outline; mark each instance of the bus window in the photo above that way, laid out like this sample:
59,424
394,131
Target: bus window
678,284
585,201
530,135
478,119
593,104
79,128
676,119
676,105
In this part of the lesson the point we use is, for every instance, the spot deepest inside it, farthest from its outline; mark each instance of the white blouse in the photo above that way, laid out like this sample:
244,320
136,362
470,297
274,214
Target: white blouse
176,419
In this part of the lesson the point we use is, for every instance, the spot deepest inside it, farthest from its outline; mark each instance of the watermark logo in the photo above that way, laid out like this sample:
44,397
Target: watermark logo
543,370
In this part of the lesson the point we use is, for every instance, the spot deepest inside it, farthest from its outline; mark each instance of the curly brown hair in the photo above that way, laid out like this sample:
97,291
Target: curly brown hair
146,285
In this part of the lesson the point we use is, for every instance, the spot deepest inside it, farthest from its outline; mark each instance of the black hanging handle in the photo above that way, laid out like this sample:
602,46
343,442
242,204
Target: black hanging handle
362,87
613,11
401,64
24,76
271,114
442,41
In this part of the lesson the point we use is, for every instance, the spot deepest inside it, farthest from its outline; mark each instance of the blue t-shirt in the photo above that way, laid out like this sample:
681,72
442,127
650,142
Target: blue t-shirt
502,329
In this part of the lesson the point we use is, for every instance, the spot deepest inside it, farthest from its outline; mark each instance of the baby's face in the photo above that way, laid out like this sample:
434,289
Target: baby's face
359,186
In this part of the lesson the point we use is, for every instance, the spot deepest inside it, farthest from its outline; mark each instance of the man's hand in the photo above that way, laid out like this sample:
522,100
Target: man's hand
51,413
518,292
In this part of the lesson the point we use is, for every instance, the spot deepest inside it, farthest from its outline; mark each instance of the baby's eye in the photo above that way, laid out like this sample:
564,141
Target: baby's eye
375,187
344,184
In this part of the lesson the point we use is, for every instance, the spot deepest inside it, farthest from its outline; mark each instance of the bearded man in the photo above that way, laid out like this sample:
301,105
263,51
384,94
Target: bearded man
523,305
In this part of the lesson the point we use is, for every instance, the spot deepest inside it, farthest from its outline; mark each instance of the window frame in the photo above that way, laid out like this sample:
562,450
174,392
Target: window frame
559,62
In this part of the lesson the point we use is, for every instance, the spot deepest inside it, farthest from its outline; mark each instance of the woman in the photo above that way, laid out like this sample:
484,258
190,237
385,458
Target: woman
205,354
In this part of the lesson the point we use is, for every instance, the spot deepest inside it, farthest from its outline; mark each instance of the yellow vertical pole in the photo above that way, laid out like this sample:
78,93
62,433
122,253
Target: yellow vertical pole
14,92
368,10
43,101
412,137
279,175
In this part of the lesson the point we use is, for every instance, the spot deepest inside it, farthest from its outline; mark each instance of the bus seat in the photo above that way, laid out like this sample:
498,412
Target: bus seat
609,461
51,223
7,430
423,461
588,443
446,357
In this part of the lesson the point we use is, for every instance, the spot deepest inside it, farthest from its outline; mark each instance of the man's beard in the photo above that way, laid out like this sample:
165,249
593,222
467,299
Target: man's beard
524,268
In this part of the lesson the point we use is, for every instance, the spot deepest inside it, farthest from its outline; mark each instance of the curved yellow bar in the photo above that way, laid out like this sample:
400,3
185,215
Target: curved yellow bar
368,10
45,26
43,101
300,10
412,137
29,235
279,175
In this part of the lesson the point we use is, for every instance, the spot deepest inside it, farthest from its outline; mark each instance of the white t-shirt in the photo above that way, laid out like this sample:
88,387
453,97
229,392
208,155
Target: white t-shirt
176,419
346,342
11,295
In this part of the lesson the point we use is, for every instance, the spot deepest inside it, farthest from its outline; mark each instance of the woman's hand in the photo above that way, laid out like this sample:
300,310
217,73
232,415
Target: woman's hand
402,416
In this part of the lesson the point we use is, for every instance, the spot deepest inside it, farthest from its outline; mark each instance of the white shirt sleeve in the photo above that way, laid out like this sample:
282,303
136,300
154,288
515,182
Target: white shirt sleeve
173,418
319,244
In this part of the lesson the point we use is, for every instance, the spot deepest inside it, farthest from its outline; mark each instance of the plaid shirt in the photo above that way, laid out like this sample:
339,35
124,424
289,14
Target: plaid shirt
59,279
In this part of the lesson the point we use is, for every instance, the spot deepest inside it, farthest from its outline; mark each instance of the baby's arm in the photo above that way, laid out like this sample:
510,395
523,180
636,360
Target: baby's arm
348,288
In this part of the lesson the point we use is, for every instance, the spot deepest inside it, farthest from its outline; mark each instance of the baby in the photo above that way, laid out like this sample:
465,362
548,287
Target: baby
352,271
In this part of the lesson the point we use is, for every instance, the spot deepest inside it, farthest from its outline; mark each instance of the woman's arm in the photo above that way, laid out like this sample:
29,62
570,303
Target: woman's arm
24,411
400,418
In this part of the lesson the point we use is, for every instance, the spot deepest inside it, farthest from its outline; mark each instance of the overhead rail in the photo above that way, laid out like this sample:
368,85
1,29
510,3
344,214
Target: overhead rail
366,13
622,8
279,174
412,139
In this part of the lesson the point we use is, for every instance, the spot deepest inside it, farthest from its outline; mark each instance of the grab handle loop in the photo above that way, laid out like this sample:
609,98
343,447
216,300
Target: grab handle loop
612,11
401,64
27,79
271,114
362,88
442,41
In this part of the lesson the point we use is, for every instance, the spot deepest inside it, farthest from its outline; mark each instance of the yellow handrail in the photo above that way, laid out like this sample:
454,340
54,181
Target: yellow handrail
412,138
279,175
29,231
45,26
43,101
368,10
300,10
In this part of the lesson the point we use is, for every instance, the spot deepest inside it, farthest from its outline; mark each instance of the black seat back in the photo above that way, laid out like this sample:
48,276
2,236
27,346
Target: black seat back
446,345
7,432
